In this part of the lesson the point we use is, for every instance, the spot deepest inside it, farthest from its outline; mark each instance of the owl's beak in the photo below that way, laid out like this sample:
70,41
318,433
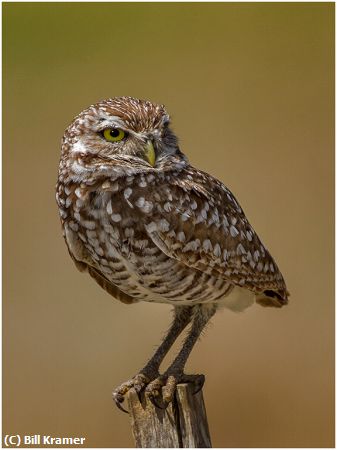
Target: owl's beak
149,153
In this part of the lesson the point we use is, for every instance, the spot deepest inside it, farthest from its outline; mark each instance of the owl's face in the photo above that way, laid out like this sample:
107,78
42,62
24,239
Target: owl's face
122,129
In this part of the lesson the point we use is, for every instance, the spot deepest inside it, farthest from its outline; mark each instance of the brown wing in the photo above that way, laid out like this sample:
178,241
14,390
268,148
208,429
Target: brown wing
200,223
82,261
109,287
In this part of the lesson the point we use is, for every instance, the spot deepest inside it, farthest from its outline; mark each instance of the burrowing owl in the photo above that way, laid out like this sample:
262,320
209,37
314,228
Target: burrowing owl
147,226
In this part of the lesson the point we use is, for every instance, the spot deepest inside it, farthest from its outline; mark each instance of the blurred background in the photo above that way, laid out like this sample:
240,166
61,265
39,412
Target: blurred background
249,87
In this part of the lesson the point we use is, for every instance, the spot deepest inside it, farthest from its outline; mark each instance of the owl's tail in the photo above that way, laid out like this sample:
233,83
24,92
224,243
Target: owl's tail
272,298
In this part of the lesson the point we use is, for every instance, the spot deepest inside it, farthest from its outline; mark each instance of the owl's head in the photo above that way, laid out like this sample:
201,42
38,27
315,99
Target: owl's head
122,130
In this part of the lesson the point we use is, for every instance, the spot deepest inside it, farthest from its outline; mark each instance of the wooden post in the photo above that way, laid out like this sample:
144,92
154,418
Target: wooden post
182,425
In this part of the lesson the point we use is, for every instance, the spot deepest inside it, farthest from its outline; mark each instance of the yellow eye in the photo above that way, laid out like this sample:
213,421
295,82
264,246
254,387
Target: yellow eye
113,134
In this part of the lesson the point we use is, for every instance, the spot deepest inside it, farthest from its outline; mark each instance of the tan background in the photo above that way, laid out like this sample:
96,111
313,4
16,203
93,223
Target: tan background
250,91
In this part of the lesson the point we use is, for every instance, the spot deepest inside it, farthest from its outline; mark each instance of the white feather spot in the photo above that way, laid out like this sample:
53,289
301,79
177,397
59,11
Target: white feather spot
116,217
225,221
192,246
89,224
99,251
252,264
240,250
167,206
78,192
127,193
163,225
140,202
185,216
194,205
106,184
215,216
109,207
207,245
151,227
147,207
234,232
249,235
181,236
217,250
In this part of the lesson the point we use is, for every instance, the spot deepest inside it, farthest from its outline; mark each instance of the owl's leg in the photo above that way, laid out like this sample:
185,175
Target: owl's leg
182,316
175,373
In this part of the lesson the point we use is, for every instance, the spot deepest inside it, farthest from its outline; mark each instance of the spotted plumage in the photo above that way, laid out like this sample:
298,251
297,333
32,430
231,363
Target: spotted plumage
148,226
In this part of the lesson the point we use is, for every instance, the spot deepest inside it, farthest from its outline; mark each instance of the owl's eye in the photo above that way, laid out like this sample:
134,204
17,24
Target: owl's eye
113,134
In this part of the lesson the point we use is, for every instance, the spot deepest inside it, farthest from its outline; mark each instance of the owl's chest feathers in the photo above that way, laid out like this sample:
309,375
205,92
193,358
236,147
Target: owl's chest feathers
105,222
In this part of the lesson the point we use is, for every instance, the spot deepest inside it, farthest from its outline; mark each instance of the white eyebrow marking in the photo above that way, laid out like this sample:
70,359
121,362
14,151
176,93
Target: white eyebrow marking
110,122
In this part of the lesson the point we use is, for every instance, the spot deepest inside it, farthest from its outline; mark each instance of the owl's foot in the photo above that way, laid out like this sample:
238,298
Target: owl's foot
159,388
138,382
162,389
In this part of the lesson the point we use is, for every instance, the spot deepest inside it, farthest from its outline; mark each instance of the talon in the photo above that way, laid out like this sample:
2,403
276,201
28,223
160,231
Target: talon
119,399
199,384
198,389
119,406
138,383
165,404
139,396
154,402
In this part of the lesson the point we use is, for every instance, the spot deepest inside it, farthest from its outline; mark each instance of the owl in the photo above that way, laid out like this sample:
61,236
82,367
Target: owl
148,226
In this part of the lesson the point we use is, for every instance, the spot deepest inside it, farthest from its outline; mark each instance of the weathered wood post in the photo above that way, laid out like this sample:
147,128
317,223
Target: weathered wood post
183,424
